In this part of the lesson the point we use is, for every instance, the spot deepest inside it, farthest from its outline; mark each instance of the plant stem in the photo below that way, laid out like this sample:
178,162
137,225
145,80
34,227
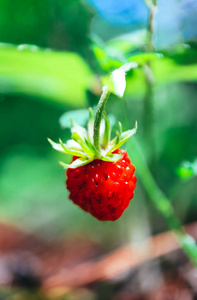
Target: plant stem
98,117
150,26
157,197
149,78
159,200
163,205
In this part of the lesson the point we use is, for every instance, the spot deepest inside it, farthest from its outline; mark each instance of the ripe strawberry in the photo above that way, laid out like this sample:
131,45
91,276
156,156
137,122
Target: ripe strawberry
102,188
100,177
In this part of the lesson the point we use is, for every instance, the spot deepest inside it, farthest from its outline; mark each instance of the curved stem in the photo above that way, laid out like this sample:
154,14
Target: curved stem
98,117
163,205
158,198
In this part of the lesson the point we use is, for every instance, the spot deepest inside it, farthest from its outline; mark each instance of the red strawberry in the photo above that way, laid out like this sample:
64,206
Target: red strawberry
101,177
102,188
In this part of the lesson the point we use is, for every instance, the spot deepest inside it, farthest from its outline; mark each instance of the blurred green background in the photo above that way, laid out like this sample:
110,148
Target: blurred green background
54,54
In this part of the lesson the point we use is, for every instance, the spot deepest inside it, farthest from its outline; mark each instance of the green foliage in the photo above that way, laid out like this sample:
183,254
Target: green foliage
172,67
125,44
46,23
81,115
187,170
59,76
32,190
143,58
115,53
177,63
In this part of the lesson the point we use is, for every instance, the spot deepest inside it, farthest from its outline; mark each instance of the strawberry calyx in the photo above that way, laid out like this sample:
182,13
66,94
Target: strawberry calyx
94,143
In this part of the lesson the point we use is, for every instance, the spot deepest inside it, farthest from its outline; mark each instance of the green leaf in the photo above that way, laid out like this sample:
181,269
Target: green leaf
76,163
57,76
105,60
187,170
167,70
81,115
143,58
126,43
99,52
113,54
178,64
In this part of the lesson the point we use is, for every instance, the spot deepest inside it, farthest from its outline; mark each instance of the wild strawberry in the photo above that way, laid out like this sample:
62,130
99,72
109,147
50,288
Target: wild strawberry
100,177
102,188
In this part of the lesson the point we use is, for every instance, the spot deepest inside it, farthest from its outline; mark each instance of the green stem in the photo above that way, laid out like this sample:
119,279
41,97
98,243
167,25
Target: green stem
159,200
157,197
149,79
163,205
98,117
148,112
150,26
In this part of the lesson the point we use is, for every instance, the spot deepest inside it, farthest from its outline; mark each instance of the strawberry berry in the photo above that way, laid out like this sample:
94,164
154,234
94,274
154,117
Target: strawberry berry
100,177
102,188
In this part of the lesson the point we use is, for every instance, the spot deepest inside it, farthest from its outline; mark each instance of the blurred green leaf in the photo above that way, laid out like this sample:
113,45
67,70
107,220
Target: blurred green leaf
80,116
178,63
106,61
175,66
113,54
123,45
58,76
187,170
143,58
167,70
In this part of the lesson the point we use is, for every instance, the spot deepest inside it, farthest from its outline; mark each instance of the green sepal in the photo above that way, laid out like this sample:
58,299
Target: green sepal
71,151
120,127
65,149
82,146
74,145
111,157
76,137
117,137
76,163
107,132
91,124
56,146
81,131
92,148
120,140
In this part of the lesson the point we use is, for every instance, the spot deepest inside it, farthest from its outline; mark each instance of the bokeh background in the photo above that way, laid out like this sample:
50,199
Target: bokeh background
54,54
